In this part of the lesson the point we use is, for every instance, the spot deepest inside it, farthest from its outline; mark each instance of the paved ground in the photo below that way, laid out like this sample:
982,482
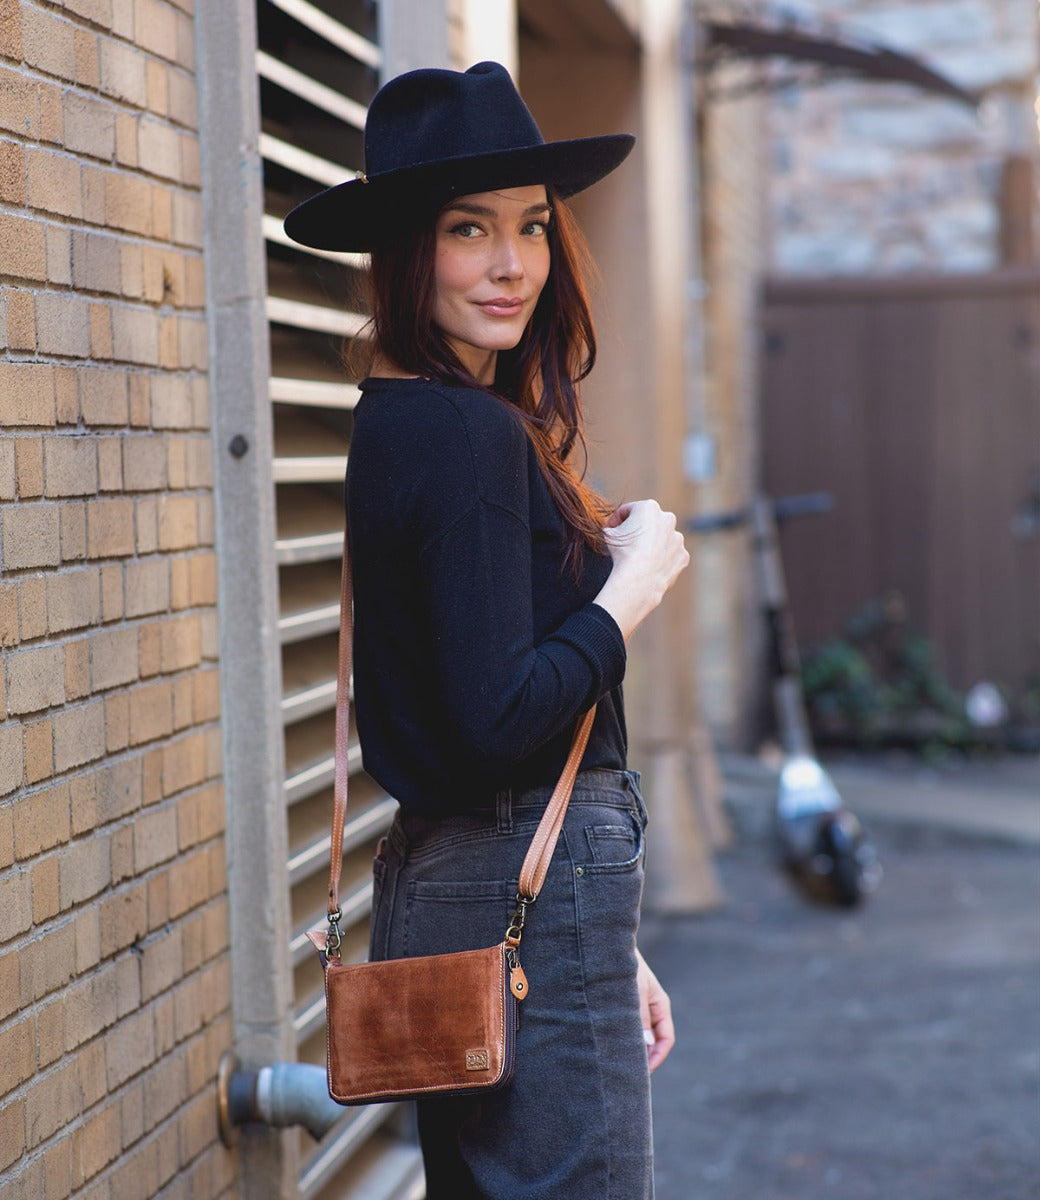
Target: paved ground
891,1053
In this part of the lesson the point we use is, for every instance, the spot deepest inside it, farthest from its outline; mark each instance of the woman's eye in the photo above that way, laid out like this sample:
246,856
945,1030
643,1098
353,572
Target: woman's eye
466,229
537,228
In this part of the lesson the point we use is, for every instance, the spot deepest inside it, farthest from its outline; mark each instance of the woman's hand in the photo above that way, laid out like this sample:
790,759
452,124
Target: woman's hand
656,1010
649,554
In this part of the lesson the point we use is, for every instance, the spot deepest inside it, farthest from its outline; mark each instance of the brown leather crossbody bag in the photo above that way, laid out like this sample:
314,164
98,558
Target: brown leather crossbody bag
438,1025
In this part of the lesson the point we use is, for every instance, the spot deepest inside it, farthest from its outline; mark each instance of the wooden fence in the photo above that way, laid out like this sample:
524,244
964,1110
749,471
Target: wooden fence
916,403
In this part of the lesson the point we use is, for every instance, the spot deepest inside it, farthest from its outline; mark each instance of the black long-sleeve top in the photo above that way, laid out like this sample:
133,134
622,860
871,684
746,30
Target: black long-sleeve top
475,647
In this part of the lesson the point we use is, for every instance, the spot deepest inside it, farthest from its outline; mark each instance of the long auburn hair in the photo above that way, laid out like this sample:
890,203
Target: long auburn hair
539,377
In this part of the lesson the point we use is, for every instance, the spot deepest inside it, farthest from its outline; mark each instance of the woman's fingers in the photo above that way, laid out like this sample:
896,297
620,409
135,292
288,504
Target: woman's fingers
656,1010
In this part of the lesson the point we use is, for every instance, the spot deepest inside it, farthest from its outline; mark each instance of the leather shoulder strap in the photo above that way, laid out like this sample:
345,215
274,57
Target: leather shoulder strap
536,862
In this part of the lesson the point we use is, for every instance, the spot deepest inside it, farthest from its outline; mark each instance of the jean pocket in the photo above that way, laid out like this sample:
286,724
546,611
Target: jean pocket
615,848
443,917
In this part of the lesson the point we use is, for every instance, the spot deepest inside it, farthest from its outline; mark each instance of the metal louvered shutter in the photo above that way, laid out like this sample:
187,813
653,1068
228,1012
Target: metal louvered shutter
318,65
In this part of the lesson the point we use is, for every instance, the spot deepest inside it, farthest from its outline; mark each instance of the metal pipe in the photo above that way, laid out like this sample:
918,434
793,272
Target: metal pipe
280,1094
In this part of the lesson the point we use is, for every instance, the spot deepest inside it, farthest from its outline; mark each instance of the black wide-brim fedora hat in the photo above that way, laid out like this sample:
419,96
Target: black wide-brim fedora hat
433,134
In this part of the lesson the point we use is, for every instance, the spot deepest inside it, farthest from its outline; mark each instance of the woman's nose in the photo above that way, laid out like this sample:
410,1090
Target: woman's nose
509,263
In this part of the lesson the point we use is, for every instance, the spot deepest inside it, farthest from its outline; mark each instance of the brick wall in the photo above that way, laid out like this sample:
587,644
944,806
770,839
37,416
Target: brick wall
114,976
871,177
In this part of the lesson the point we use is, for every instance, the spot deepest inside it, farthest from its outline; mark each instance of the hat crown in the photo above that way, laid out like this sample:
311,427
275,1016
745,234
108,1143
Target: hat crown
432,115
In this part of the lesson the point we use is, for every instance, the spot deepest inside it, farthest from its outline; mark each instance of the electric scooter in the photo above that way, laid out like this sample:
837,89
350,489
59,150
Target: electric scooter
821,843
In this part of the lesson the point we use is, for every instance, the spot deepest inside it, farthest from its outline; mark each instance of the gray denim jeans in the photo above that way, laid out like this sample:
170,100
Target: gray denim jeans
574,1123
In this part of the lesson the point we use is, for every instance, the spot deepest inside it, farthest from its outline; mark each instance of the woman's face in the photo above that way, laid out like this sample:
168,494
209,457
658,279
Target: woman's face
490,265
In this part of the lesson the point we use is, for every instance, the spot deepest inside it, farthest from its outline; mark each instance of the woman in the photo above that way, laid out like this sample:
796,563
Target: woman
494,593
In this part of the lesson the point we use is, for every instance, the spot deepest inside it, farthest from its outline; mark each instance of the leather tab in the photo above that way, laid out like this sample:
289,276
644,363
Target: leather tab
318,939
518,981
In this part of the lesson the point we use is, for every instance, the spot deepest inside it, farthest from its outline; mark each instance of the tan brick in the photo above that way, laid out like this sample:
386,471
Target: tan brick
123,919
16,910
66,395
191,161
8,479
100,332
162,963
95,262
20,312
99,12
151,714
93,184
50,1038
149,649
62,325
112,606
77,669
180,582
11,33
155,838
95,1144
59,255
147,587
183,703
110,528
181,645
206,701
154,282
184,763
12,1118
110,464
26,391
144,462
113,656
39,751
41,821
89,127
159,898
73,532
48,43
70,466
158,89
79,735
131,1116
117,722
159,150
151,776
119,789
131,269
73,599
103,396
23,244
44,889
30,534
88,71
8,615
17,1054
85,869
126,139
35,679
171,402
163,205
32,607
91,1063
178,522
146,520
128,204
135,335
10,983
51,121
12,173
90,1006
6,836
53,183
83,801
88,940
184,103
29,467
122,855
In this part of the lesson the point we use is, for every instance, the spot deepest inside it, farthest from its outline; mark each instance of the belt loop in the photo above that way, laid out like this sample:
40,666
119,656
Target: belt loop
504,809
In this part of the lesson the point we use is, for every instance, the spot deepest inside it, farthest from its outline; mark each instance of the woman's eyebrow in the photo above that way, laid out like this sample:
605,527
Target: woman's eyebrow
481,210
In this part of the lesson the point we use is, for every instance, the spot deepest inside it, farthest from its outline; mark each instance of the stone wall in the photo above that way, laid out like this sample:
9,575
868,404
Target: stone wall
872,177
114,977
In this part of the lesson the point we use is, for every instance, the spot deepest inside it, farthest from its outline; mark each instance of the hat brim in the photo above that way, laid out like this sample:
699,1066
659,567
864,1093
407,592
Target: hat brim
360,213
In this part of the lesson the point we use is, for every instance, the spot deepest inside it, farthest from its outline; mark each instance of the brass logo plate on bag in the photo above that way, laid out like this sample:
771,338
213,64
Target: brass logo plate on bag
478,1060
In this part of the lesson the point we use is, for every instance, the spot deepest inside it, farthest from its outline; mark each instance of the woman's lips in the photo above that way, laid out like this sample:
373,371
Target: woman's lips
501,306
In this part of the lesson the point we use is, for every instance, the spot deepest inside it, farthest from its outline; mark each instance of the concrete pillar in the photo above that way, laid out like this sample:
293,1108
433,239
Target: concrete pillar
250,668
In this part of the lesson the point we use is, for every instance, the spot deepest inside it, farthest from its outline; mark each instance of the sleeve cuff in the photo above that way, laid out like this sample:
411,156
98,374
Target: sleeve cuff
594,633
